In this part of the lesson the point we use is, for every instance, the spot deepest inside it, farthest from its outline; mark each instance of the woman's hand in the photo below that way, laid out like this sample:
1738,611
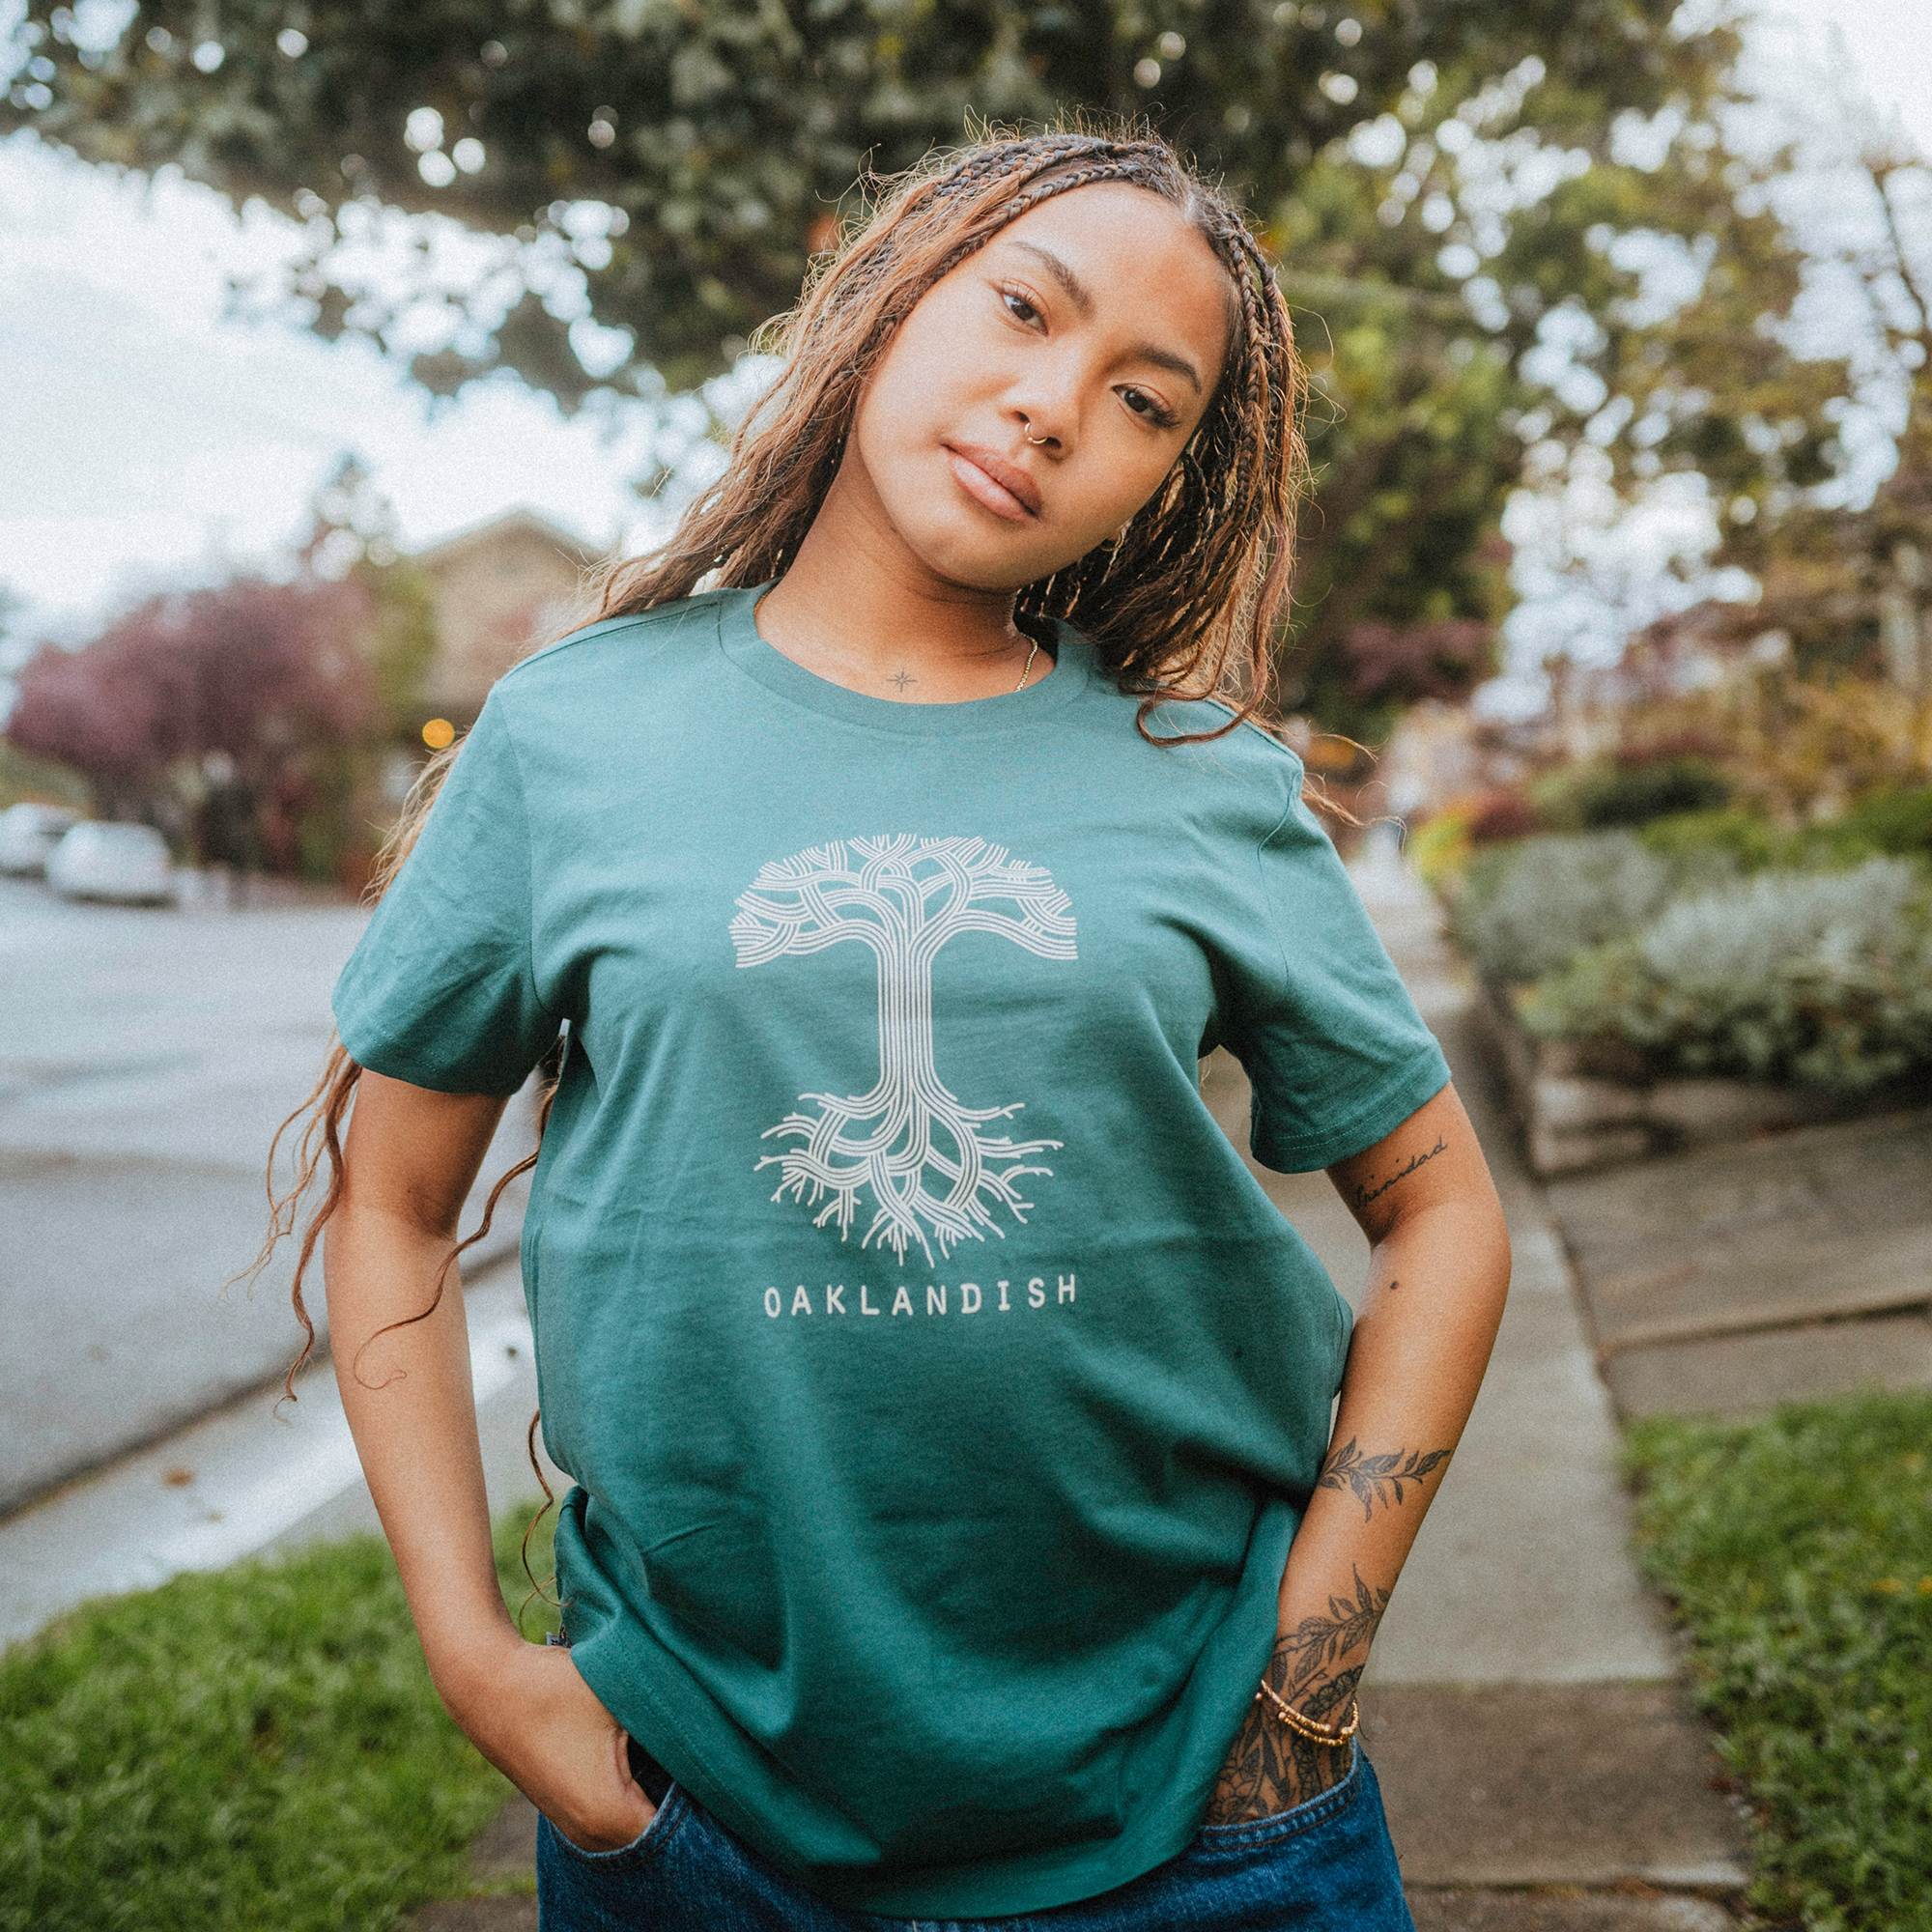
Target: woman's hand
528,1708
1269,1768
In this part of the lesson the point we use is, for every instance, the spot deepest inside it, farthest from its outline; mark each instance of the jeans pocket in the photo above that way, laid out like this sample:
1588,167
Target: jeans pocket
664,1821
1248,1833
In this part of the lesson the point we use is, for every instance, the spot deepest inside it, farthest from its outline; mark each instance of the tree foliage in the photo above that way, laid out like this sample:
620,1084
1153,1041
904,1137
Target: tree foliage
246,672
729,133
644,181
1853,586
217,712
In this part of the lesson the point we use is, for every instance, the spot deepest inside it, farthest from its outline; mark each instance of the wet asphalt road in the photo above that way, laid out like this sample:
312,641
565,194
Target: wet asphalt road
145,1058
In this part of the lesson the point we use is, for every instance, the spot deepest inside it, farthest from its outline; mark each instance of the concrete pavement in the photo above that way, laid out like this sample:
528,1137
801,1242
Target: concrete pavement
1542,1768
252,1476
1522,1572
1785,1269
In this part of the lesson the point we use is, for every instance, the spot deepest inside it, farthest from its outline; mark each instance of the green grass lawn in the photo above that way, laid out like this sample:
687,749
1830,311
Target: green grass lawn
1797,1551
258,1750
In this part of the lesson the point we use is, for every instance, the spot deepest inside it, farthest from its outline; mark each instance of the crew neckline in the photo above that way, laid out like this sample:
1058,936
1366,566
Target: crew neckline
748,651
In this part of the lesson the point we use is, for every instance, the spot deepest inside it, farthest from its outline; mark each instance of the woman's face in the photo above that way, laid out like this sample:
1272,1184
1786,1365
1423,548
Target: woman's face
1037,396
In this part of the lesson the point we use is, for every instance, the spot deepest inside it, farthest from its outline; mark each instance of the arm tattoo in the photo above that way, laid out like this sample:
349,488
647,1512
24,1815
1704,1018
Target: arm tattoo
1365,1194
1304,1652
1269,1768
1376,1479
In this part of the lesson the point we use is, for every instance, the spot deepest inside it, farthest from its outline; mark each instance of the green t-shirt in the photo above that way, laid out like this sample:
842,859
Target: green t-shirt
941,1390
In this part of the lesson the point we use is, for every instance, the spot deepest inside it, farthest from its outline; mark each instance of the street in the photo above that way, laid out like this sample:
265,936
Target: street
145,1058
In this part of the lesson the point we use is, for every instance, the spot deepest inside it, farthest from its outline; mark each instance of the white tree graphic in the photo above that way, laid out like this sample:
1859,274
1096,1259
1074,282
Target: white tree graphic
932,1176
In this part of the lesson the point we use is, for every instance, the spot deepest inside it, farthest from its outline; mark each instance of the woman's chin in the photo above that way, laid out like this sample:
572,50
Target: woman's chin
988,569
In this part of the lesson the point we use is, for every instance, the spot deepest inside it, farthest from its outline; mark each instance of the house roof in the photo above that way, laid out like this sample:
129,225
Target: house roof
519,522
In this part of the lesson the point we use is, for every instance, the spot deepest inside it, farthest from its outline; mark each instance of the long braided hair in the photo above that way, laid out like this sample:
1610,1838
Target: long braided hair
1184,604
1187,601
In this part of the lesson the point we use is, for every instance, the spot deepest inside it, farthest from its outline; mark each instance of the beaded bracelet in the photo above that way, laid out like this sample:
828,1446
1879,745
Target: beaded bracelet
1307,1728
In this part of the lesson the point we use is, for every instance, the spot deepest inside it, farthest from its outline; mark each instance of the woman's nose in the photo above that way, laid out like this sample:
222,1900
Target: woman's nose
1045,426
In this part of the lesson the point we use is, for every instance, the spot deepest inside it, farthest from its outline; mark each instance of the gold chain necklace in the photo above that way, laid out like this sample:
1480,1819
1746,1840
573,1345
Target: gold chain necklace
1028,672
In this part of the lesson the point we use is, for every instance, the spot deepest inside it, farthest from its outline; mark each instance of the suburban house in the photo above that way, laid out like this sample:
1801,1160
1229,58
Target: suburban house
501,590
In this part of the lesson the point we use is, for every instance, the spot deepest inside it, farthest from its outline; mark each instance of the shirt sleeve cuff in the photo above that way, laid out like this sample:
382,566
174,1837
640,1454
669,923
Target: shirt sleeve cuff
1414,1084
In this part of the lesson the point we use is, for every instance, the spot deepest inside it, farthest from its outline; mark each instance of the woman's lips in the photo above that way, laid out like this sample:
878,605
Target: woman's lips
989,479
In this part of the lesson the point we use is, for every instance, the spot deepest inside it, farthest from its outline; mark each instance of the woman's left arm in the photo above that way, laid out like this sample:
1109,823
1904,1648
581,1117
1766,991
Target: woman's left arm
1438,1276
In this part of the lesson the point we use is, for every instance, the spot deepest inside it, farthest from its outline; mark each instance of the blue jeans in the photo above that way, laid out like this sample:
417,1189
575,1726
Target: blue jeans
1326,1867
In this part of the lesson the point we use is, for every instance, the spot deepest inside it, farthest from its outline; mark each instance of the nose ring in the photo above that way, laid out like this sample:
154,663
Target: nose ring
1031,438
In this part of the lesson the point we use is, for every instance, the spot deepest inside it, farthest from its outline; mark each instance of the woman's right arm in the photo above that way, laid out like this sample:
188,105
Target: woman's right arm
409,1159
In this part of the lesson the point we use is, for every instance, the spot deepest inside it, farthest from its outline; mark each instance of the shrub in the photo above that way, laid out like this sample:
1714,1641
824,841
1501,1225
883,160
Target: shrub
1896,820
1500,815
1544,902
1687,840
40,781
1439,849
1824,978
1606,795
1633,794
1444,849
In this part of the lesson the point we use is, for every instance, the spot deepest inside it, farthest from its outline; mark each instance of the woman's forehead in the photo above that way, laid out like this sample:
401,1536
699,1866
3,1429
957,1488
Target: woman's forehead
1114,246
1100,212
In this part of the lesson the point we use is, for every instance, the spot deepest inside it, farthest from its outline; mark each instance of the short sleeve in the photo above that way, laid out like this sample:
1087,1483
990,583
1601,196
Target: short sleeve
1336,1053
441,990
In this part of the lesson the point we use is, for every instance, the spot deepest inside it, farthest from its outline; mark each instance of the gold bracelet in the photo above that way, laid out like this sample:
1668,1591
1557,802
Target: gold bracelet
1307,1728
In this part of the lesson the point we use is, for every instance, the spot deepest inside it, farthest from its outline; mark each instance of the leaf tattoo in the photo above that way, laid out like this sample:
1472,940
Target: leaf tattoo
1269,1768
1318,1642
1376,1479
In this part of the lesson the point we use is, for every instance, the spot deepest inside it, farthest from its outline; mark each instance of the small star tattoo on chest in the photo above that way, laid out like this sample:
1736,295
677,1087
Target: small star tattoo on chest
902,678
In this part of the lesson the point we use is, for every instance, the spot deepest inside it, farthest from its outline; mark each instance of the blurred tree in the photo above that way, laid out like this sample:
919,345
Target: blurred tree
1852,585
353,538
644,181
218,714
1383,668
22,777
730,136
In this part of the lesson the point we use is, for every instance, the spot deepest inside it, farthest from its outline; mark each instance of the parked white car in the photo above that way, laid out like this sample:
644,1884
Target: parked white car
29,834
128,863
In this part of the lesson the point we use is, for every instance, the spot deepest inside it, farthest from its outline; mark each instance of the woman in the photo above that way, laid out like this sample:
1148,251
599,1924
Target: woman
959,1531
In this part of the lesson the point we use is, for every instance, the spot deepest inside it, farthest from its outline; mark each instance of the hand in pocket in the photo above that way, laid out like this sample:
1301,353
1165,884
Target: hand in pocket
1268,1770
533,1717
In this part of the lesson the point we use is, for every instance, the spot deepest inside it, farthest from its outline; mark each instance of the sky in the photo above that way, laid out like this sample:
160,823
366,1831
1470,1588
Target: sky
149,436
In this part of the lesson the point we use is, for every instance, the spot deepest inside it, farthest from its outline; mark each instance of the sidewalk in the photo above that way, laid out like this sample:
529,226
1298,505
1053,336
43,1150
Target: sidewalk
1542,1771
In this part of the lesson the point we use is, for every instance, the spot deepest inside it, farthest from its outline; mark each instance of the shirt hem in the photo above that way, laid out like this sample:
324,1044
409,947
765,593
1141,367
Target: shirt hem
1068,1882
1050,1879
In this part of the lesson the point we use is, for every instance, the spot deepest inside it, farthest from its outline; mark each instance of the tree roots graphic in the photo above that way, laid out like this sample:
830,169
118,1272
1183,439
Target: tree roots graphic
909,1146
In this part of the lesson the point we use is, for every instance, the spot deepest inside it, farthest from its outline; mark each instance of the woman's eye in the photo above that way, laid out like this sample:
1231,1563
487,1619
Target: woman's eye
1018,307
1144,404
